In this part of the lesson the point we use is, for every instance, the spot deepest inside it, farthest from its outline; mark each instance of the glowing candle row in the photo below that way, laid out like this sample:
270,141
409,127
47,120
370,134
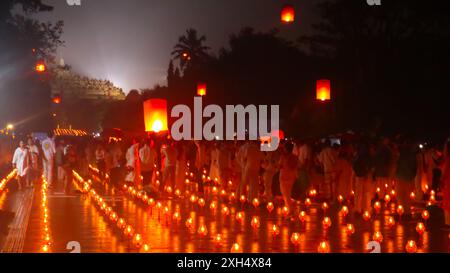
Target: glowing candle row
8,178
46,246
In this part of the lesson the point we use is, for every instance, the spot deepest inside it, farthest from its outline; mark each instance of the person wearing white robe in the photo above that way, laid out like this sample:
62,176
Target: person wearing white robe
253,158
21,163
49,150
132,157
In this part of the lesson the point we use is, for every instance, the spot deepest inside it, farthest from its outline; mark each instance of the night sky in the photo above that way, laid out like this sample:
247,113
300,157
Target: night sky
129,42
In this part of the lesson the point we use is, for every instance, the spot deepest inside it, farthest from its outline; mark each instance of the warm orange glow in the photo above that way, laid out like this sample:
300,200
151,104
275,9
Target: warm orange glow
239,217
155,115
189,223
400,210
326,222
201,202
288,14
390,222
340,198
411,246
201,89
366,216
218,239
412,195
302,216
285,211
323,90
275,230
270,207
349,229
308,202
255,223
377,207
295,238
323,247
225,211
344,211
324,206
420,228
40,67
236,248
202,231
57,100
425,215
255,202
377,236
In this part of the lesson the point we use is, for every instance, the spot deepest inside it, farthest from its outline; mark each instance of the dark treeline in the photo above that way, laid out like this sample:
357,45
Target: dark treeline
388,67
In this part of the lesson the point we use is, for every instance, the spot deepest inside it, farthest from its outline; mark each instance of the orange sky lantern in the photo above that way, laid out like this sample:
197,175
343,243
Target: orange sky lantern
155,115
40,67
201,89
57,100
288,14
323,90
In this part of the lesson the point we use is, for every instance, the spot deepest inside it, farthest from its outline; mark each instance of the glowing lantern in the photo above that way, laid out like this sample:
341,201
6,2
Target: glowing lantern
255,223
239,217
177,192
377,207
377,236
324,206
202,231
420,228
201,202
400,210
288,14
412,195
340,199
193,198
232,197
323,90
201,89
236,248
390,222
411,246
326,222
56,99
323,247
214,190
242,199
40,67
285,211
295,239
270,207
387,198
344,211
225,211
307,202
189,222
349,229
302,216
425,215
312,193
223,193
155,115
218,239
176,216
137,240
255,202
275,230
366,216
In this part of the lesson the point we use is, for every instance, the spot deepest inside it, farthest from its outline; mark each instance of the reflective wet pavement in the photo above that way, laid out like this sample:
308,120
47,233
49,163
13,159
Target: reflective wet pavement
74,217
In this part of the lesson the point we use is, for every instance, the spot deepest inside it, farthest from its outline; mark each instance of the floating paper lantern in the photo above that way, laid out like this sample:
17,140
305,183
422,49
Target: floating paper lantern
201,89
323,90
270,207
57,99
40,67
411,246
288,14
155,115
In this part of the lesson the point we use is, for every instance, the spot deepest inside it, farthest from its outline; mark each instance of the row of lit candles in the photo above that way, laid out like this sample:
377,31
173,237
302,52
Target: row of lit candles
46,247
112,216
8,178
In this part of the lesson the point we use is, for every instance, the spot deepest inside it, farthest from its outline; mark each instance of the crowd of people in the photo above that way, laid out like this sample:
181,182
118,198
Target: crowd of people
356,169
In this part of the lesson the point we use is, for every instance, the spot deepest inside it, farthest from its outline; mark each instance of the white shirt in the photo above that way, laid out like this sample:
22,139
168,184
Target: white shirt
48,147
20,159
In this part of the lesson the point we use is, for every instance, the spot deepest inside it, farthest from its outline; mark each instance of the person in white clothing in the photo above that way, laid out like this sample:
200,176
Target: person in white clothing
133,164
21,163
148,157
49,150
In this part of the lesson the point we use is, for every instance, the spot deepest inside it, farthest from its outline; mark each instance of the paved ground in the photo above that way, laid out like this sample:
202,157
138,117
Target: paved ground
74,217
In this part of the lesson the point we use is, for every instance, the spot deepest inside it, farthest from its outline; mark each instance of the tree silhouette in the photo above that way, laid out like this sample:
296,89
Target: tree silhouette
190,49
